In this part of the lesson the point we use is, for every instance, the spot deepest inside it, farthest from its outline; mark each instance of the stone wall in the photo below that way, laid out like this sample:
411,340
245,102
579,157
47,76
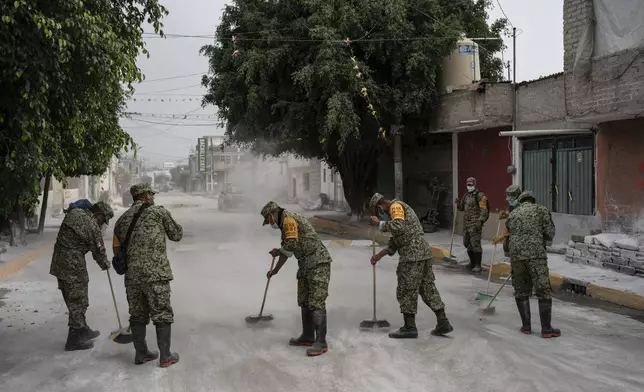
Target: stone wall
622,255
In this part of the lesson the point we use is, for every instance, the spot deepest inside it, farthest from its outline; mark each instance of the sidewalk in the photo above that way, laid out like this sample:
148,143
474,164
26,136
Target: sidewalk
598,283
17,257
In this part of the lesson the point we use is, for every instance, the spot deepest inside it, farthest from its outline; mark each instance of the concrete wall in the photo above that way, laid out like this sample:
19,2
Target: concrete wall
541,103
620,175
598,87
492,107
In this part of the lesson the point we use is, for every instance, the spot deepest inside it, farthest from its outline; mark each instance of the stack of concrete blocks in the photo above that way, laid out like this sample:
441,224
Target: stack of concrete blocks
616,252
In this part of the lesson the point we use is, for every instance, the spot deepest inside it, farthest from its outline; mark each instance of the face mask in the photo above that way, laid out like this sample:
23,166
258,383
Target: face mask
384,217
274,225
470,188
513,203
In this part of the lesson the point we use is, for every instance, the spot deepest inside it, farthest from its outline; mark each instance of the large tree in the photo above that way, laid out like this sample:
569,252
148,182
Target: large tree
66,70
286,79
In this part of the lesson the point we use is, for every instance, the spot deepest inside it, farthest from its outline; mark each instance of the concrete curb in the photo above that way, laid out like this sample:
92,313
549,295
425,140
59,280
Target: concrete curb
559,282
339,229
11,267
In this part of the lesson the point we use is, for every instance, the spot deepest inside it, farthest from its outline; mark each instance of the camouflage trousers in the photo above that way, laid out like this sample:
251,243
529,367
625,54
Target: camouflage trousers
149,301
472,238
77,301
529,274
313,286
414,278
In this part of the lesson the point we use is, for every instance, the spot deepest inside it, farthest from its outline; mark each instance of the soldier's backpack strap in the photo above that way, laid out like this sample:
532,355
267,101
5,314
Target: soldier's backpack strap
119,261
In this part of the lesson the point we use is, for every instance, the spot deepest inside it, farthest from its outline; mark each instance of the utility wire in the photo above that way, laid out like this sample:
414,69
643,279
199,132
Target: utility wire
173,77
504,14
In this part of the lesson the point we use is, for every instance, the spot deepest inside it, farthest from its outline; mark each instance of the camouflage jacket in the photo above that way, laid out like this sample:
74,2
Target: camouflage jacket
529,227
147,260
79,233
299,239
474,204
407,235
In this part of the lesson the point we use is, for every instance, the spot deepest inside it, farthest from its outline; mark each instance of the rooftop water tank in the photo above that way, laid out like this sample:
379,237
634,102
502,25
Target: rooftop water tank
462,67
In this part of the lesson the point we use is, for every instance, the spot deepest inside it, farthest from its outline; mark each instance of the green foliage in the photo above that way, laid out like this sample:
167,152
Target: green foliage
293,88
66,72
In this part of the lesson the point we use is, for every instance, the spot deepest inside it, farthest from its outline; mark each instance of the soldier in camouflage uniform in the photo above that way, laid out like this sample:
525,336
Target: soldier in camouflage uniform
299,239
148,276
79,233
415,275
511,195
530,226
475,206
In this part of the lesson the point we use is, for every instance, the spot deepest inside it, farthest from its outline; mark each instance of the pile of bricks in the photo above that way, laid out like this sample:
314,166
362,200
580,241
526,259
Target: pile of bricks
624,257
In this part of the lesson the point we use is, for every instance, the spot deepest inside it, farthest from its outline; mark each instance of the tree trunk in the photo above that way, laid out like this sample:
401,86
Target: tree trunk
43,207
356,167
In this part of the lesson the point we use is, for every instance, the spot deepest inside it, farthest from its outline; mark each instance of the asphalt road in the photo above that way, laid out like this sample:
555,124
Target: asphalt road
220,268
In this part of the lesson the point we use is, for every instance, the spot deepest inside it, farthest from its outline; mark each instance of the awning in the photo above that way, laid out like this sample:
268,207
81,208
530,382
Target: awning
547,132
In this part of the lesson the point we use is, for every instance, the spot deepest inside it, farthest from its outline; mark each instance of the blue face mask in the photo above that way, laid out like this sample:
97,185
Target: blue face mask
384,217
513,203
275,226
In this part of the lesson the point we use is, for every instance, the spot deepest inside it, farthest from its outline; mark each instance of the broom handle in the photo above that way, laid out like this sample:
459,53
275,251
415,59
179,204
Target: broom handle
489,274
373,247
500,288
451,245
261,310
118,318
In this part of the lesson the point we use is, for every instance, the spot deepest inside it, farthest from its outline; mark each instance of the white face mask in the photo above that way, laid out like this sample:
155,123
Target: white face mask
470,188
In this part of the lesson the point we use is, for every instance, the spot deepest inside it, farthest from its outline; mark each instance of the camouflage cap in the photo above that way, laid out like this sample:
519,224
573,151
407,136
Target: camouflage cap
267,209
525,196
140,189
375,199
513,191
105,209
471,181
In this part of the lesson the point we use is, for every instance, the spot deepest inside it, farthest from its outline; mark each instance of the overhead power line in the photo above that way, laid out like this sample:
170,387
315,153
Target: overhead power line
504,14
174,77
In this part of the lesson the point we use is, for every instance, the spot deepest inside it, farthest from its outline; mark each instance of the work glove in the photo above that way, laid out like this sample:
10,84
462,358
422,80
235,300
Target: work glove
498,239
271,273
105,265
274,252
503,215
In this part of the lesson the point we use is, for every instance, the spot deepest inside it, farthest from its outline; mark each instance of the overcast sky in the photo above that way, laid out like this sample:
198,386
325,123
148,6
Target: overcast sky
166,139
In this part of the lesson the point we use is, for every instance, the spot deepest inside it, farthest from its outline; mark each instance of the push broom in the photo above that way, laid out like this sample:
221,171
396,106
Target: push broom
121,335
486,296
374,323
262,317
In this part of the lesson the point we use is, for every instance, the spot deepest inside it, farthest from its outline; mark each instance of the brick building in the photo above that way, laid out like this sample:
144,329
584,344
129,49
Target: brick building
577,141
605,86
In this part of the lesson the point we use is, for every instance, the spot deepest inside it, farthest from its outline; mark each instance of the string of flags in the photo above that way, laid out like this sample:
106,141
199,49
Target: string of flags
182,116
363,90
165,99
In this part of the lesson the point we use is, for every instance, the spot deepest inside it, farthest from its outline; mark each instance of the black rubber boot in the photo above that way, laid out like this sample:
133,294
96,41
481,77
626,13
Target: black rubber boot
545,312
523,304
164,334
142,355
478,258
443,325
75,341
308,333
89,334
319,322
472,257
407,331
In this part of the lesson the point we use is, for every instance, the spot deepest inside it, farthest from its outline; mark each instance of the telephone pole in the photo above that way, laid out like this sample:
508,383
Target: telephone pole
398,169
